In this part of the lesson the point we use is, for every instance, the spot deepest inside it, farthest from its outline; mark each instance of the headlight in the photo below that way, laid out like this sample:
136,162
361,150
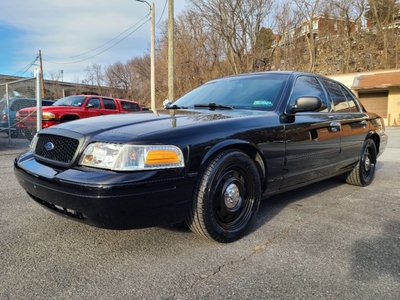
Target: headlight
48,115
122,157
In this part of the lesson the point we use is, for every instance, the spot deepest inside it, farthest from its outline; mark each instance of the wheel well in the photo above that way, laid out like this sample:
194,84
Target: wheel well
67,118
376,139
253,154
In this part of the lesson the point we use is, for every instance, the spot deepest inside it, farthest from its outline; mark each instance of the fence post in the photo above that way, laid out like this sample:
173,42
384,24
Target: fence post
8,114
38,101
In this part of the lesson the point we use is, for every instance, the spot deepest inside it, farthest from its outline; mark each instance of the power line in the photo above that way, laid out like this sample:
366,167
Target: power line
162,14
26,68
116,43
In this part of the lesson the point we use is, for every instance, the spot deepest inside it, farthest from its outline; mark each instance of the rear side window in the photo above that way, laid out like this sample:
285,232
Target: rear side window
109,104
338,96
130,106
350,99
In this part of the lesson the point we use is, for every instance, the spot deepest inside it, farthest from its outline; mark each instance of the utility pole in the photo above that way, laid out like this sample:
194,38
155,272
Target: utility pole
152,59
41,73
171,50
152,55
38,100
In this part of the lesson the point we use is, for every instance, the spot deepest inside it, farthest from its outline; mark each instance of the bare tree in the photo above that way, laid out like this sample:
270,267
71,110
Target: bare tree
309,9
381,13
288,54
351,12
117,77
237,22
94,76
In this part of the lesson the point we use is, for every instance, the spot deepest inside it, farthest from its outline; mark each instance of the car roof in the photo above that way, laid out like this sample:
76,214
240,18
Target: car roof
278,72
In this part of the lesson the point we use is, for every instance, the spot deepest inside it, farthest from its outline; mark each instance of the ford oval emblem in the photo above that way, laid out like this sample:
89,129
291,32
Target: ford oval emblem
49,146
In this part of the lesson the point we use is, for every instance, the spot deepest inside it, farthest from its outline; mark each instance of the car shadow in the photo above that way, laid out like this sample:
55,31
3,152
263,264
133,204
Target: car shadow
272,206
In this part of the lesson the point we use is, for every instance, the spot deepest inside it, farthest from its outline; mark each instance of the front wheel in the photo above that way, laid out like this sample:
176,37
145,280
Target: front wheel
364,172
226,197
15,134
29,134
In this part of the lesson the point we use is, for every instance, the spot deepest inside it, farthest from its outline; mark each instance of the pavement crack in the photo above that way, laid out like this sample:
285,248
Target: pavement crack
260,248
290,227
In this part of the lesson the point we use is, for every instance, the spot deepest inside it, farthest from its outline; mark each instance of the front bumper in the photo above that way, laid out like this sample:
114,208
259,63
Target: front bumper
4,126
383,143
112,200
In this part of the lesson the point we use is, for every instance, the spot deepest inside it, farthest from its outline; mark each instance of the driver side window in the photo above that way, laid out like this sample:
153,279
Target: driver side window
306,86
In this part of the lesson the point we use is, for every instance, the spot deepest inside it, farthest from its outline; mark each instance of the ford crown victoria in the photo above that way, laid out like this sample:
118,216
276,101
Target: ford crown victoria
207,158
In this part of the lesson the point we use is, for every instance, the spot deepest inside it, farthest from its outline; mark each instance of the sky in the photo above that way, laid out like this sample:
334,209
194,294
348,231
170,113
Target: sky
74,34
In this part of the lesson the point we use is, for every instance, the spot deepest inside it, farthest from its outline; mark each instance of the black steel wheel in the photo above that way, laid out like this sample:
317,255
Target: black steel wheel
364,172
226,198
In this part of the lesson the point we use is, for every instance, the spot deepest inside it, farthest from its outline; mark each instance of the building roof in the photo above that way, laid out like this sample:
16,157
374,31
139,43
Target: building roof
376,81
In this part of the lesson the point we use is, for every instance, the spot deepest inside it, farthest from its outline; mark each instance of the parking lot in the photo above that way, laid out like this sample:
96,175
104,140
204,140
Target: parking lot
329,240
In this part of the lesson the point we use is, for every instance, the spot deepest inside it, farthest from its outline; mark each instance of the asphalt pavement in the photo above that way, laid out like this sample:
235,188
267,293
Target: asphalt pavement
12,145
329,240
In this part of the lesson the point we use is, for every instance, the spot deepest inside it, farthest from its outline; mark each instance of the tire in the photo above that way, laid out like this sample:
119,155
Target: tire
15,134
29,134
364,172
226,198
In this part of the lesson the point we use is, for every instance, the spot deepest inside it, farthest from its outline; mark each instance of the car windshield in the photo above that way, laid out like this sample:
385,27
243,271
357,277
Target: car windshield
70,101
260,92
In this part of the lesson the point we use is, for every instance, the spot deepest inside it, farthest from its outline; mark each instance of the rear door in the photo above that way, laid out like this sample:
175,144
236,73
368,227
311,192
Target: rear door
312,139
354,123
109,106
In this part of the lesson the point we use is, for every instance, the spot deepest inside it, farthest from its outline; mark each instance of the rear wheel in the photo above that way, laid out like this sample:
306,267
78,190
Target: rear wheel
364,172
226,198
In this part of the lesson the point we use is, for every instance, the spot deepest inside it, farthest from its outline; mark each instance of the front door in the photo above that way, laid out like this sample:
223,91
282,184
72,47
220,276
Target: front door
312,139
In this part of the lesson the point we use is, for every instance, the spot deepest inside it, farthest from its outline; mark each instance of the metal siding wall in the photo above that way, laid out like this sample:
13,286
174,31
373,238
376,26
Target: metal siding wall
375,102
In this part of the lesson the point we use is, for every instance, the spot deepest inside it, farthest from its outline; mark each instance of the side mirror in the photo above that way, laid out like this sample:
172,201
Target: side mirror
304,104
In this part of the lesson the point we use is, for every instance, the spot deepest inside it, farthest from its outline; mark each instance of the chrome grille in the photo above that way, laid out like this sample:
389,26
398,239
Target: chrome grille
25,114
55,147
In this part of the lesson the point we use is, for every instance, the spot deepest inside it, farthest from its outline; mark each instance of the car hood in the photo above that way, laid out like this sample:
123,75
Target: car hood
128,126
52,108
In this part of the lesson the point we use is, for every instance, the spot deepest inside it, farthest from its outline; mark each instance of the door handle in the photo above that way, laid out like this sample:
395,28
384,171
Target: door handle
335,126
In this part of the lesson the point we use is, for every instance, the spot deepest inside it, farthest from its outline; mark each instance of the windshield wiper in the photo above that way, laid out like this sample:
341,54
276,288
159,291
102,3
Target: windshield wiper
174,106
213,105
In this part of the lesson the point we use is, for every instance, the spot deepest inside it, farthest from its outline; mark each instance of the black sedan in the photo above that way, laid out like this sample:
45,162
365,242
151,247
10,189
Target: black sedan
207,158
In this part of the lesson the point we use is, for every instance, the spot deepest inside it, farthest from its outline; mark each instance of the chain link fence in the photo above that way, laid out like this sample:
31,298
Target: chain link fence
15,95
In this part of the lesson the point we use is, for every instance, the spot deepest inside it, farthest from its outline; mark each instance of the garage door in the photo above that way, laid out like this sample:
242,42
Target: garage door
375,102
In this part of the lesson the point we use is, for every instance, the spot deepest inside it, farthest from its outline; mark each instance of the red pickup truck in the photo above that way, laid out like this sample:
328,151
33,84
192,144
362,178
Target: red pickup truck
72,108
